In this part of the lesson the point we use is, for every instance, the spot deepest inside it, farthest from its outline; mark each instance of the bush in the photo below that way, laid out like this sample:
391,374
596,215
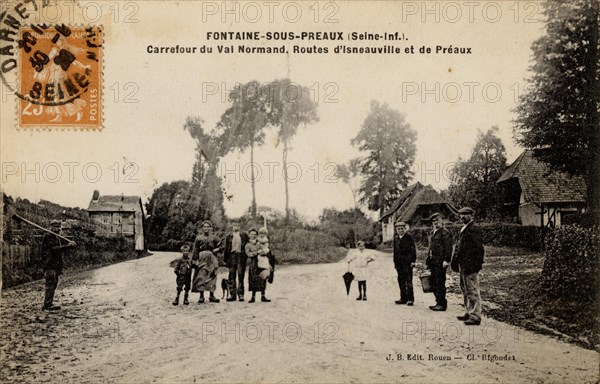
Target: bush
91,251
302,246
494,234
291,246
350,225
300,239
571,266
323,255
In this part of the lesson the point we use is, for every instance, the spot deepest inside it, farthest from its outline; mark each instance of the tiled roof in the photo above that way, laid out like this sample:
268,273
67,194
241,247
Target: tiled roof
412,197
540,185
120,203
406,192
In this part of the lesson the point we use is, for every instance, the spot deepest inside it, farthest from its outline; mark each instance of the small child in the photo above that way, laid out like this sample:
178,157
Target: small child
183,270
263,253
362,258
263,241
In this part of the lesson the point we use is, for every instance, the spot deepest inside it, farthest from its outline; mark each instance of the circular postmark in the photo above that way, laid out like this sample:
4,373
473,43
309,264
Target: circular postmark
58,71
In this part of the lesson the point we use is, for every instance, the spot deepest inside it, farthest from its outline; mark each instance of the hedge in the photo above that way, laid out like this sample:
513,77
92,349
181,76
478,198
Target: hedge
495,234
292,246
91,251
571,263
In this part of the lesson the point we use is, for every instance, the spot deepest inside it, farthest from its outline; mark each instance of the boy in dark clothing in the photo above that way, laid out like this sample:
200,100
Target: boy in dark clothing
405,256
52,249
183,270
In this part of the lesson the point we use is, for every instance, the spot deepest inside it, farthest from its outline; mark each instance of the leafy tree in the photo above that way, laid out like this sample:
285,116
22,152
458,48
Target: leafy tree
279,104
205,196
242,125
473,181
292,107
389,146
558,114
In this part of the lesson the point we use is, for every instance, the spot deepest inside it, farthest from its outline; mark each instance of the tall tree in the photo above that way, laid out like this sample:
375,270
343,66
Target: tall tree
473,181
242,125
206,191
292,107
558,115
389,146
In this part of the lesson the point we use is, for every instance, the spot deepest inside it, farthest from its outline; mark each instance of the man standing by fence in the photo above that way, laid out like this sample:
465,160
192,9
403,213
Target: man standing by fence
52,250
438,259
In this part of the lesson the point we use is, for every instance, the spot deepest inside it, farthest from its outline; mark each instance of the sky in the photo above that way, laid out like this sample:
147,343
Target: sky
446,98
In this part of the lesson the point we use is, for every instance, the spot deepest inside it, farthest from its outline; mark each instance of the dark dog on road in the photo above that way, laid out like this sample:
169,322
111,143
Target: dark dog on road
224,287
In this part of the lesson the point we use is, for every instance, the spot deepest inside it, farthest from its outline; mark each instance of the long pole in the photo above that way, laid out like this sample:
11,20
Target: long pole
42,228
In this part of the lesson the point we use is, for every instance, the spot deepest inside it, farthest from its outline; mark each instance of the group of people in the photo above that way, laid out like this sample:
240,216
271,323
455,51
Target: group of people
464,257
251,251
240,250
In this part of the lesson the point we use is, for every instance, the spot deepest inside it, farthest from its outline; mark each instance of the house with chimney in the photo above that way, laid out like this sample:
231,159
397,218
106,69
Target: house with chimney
118,215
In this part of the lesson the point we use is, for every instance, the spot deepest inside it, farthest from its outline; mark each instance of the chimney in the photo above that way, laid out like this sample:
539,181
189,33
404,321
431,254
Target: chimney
96,195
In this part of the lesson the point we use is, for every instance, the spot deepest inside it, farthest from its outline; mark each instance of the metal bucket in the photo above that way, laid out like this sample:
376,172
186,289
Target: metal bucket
426,282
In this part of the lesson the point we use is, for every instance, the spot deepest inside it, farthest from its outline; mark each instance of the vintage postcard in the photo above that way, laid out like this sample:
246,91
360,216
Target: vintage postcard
299,191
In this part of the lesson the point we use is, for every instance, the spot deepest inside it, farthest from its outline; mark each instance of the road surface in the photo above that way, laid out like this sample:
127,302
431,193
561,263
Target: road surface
118,325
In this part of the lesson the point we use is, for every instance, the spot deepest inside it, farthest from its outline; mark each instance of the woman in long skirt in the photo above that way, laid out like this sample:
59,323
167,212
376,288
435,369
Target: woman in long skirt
255,282
206,245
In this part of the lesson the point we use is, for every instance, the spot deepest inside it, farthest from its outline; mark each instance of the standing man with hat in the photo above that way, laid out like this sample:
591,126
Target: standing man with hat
405,256
52,250
469,258
235,259
438,259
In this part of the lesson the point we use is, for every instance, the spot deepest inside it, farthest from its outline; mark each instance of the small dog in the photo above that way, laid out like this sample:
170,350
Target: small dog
225,286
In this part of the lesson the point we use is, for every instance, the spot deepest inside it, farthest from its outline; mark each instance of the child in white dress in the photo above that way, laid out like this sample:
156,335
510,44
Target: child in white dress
360,258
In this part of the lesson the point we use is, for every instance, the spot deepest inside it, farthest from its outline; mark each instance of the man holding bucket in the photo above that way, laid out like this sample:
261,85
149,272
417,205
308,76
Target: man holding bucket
438,259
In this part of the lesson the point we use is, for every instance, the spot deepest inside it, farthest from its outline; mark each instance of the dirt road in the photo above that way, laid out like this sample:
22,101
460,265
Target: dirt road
118,325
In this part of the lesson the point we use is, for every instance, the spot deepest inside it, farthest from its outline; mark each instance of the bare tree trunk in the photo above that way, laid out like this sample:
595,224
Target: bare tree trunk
253,206
285,179
355,215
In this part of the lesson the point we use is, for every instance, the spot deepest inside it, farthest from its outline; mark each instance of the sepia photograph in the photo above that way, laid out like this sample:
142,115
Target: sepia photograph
308,191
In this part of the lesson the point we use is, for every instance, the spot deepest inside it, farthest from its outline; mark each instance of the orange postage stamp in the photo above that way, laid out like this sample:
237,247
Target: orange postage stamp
60,77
